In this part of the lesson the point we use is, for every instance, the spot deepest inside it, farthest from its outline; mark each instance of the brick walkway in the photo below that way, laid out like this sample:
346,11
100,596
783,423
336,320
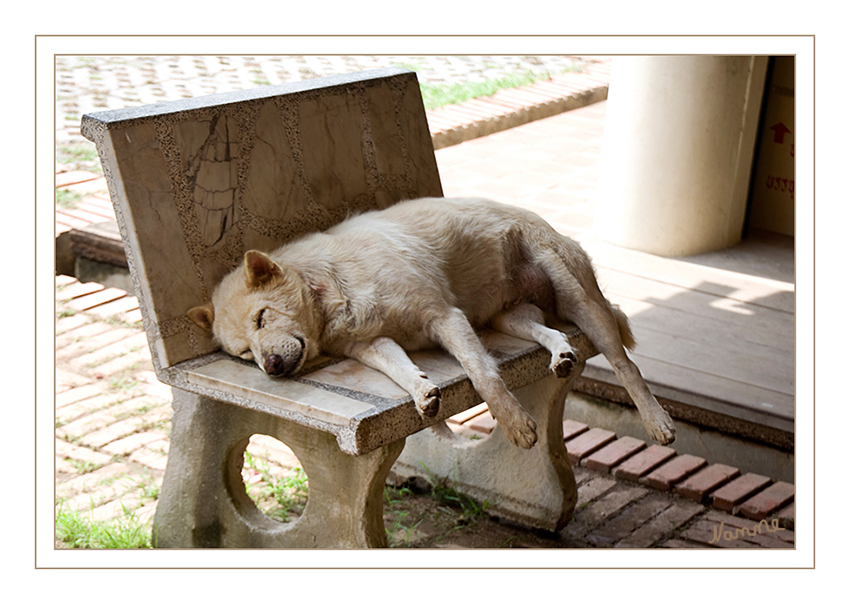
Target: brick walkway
113,416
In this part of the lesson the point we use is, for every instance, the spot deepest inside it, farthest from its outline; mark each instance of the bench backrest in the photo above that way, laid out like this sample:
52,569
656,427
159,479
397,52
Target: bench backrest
197,182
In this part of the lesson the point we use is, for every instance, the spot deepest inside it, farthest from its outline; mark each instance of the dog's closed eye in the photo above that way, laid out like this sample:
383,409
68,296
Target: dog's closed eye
260,321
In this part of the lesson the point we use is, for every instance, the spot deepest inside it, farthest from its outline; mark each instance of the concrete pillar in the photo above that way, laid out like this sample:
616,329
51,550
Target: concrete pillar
677,152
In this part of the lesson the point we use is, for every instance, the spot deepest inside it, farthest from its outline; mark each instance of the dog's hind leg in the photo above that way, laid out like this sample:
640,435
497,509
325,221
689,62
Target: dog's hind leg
527,322
385,355
456,335
579,300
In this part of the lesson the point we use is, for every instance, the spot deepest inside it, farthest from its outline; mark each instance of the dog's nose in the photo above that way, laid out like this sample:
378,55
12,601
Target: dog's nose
277,365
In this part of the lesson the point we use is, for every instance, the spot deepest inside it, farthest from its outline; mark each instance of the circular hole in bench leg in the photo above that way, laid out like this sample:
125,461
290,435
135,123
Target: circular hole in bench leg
271,480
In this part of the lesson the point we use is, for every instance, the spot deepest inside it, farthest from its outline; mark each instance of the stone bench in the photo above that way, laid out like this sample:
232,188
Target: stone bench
196,183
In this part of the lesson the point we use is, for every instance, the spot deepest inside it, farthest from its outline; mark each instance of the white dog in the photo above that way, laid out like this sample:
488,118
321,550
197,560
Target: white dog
422,273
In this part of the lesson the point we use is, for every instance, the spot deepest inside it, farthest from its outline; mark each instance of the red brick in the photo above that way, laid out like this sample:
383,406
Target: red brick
64,280
608,505
95,299
643,462
481,423
787,516
622,525
614,453
573,429
740,489
593,489
675,470
467,415
117,307
662,525
768,501
66,179
75,290
698,486
583,445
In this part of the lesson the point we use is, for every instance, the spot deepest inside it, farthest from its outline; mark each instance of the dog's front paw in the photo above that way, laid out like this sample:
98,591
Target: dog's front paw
428,402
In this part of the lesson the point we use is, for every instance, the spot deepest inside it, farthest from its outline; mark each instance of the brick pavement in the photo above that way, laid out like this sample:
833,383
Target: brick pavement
113,416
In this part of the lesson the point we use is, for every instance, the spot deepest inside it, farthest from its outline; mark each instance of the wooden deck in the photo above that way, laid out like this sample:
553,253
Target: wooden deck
715,332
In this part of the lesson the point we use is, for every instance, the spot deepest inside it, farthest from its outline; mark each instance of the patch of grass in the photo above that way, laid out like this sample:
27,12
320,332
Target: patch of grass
79,156
148,486
78,153
74,530
260,78
136,412
412,66
307,73
163,425
117,321
447,494
439,95
278,497
84,467
411,521
401,527
68,199
122,382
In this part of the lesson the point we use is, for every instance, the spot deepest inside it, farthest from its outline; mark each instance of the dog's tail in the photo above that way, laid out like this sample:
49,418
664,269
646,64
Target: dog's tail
626,334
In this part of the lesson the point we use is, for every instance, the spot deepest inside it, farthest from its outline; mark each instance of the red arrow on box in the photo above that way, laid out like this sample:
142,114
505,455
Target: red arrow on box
779,132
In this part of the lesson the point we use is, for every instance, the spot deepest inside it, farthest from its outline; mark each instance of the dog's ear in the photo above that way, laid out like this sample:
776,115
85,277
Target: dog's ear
203,316
259,268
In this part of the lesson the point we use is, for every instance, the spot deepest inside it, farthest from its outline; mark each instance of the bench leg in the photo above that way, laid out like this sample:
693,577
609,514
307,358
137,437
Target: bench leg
535,487
203,502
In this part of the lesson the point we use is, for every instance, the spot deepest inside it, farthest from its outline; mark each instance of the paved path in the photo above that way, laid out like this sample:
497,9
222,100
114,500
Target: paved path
113,415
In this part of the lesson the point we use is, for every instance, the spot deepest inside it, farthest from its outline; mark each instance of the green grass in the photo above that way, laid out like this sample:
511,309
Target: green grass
122,382
439,95
447,494
67,199
455,511
279,497
402,525
76,531
79,156
73,153
84,467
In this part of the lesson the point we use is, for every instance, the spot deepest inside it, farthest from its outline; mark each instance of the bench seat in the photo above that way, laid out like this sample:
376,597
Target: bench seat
361,407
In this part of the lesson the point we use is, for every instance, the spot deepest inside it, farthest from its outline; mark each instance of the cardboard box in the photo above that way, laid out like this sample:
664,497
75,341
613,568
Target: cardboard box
772,199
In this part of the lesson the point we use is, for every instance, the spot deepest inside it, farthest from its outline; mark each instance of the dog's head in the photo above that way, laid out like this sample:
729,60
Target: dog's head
263,312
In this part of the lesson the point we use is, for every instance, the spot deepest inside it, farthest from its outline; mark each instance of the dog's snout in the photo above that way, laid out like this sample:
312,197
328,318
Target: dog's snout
277,365
274,364
286,361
